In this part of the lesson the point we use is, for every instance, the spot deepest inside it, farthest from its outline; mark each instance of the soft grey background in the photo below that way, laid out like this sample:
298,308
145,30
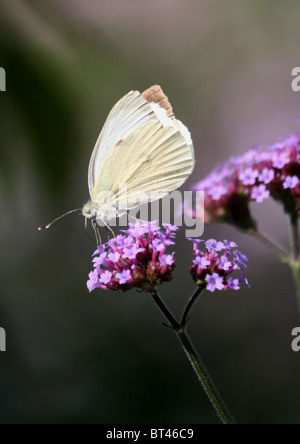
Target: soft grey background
106,358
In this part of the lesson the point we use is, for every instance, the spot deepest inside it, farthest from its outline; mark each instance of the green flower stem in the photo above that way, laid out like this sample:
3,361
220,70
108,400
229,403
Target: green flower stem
190,305
206,381
271,244
165,311
295,239
295,262
296,271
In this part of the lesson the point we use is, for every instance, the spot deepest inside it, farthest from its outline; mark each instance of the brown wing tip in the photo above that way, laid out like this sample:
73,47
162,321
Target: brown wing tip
156,95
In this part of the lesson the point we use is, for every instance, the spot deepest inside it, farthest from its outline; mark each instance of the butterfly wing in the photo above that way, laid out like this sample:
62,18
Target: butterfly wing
148,164
131,112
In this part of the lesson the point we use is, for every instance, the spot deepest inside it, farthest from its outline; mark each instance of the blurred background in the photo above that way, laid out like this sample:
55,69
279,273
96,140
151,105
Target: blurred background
105,357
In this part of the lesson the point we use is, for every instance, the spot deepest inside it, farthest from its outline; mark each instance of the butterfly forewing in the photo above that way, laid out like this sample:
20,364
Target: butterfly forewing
131,112
149,163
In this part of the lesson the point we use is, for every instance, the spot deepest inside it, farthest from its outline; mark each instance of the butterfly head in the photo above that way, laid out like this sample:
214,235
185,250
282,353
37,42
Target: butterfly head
90,210
105,212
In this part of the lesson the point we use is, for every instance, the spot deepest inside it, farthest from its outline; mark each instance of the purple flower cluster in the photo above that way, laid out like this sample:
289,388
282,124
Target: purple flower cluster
213,268
257,175
137,259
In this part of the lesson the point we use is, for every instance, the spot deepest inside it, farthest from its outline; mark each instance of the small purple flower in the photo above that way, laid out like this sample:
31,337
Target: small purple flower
230,245
214,245
132,252
240,259
291,182
234,284
151,227
119,240
100,250
114,257
158,245
167,259
260,193
244,280
214,282
93,281
249,176
195,241
224,263
172,228
99,260
202,262
105,277
168,242
266,176
123,277
217,192
280,159
137,230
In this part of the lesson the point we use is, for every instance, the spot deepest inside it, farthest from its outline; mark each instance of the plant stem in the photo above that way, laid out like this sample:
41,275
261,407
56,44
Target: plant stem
295,238
205,379
294,262
296,272
190,305
164,309
271,244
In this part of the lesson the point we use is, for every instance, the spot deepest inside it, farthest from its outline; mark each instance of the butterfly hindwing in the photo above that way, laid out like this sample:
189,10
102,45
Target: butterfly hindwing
149,163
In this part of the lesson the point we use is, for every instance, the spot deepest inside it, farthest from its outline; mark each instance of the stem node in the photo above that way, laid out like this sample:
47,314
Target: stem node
180,331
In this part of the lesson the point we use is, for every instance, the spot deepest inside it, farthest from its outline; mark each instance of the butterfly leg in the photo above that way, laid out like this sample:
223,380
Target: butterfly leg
107,232
96,231
109,229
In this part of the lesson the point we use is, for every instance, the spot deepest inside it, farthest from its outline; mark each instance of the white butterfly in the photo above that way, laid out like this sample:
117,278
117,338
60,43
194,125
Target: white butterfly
142,154
141,147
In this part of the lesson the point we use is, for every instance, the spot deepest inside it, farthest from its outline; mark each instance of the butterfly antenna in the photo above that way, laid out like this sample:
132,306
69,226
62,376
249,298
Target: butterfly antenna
45,227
